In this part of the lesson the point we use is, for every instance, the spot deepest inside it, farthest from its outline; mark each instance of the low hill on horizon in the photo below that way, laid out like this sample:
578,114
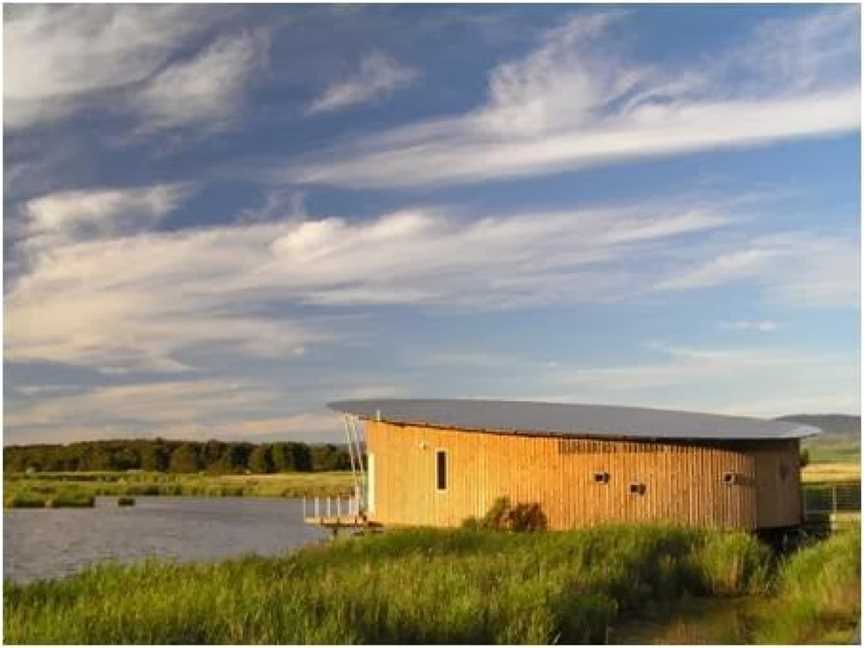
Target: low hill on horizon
840,439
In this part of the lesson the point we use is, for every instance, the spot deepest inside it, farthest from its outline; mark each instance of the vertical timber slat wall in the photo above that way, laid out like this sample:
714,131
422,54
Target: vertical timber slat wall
683,482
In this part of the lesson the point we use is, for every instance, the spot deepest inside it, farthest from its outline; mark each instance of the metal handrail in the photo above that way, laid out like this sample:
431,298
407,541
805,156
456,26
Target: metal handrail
324,507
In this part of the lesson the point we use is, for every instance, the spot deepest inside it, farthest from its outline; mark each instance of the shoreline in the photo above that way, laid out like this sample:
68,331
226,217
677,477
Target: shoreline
454,586
46,486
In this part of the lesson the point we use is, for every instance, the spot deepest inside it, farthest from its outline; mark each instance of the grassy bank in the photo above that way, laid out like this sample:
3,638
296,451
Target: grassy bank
813,597
818,592
62,499
22,490
413,586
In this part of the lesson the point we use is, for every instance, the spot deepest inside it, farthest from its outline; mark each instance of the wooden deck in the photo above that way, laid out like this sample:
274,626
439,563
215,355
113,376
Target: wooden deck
337,523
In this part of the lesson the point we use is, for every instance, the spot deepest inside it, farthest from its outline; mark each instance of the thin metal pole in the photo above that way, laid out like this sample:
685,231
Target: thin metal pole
304,507
350,448
355,428
355,425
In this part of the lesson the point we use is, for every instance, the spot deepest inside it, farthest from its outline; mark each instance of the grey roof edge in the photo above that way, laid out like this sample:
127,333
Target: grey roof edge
767,429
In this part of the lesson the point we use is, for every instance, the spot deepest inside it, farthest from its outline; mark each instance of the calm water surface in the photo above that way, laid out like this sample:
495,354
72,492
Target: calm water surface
57,542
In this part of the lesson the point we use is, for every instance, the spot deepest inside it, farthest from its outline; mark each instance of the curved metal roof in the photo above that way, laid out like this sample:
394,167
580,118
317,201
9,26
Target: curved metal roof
566,419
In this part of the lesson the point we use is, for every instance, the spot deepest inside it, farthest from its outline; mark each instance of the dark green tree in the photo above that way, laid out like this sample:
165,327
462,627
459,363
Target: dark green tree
212,452
97,458
184,459
260,460
125,459
302,457
155,457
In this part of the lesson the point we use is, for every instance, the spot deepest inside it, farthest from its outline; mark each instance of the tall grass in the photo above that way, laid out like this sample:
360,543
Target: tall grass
412,586
818,593
25,498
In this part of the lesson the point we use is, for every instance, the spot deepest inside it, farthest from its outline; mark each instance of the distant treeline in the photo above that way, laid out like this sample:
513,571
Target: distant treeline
215,457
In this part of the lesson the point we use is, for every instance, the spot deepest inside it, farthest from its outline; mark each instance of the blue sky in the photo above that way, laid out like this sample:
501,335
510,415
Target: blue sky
218,218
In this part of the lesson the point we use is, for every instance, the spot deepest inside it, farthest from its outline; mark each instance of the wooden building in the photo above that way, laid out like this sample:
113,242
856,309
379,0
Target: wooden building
436,462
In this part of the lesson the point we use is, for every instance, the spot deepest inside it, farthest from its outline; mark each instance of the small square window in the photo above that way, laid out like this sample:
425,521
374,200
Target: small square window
601,477
637,488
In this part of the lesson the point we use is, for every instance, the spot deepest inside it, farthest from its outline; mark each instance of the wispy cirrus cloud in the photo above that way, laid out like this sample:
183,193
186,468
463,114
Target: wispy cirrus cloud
727,380
100,291
57,57
758,326
799,267
208,88
62,59
379,75
576,101
99,213
190,409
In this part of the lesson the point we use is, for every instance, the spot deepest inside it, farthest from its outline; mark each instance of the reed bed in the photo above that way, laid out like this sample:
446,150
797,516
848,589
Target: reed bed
411,586
36,499
818,594
20,489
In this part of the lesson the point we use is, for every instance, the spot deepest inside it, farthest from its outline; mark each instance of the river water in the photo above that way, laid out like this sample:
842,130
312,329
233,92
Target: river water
47,543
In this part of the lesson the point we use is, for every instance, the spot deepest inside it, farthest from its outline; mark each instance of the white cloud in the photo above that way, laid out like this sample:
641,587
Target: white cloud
378,76
799,267
165,402
750,380
807,52
100,213
193,409
207,88
280,204
101,289
721,380
118,301
61,59
56,57
573,103
760,326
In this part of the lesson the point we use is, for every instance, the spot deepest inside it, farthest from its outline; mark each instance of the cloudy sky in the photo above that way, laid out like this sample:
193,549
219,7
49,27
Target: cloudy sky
218,218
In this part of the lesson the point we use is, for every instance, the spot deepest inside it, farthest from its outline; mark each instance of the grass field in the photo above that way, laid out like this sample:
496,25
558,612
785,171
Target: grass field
20,490
833,450
440,586
831,472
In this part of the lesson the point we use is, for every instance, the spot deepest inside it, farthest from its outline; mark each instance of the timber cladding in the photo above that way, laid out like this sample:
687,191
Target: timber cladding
581,482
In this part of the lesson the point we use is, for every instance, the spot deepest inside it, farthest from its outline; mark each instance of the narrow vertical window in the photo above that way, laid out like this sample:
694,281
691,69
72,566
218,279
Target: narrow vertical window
441,472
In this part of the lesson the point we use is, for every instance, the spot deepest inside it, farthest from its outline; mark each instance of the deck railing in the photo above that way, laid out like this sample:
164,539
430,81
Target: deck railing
842,497
331,507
